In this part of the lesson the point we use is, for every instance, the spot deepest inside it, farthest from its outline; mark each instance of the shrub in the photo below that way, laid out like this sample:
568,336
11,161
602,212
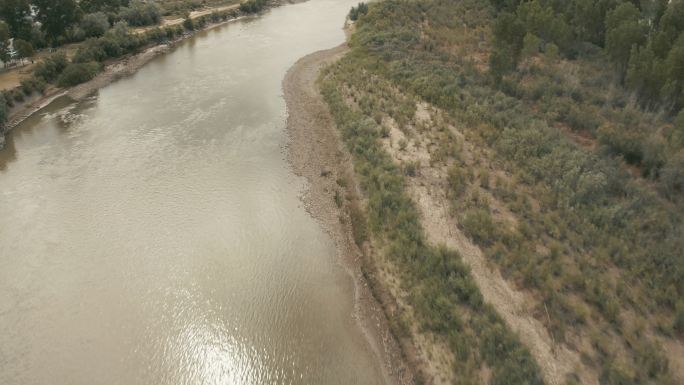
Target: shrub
359,224
77,73
51,67
252,6
457,181
33,84
188,23
3,109
678,324
672,176
95,24
140,13
478,224
358,11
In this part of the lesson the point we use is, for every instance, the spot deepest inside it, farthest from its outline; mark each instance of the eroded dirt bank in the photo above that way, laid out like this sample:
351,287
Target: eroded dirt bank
316,152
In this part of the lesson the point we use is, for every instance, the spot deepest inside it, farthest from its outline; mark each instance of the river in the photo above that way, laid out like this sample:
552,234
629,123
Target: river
154,233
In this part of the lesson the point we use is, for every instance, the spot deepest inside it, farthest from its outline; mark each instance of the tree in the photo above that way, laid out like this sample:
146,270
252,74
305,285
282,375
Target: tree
3,109
24,49
77,73
57,15
645,74
509,32
188,24
677,136
623,31
672,176
16,13
531,45
536,18
51,67
678,324
141,14
95,24
671,25
588,17
674,71
4,43
93,6
357,11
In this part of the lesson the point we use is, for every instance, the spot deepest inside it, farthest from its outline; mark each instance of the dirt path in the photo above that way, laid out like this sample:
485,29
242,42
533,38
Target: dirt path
204,12
316,152
428,191
193,15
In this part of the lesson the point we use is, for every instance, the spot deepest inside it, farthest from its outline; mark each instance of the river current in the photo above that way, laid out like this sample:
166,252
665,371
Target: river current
154,233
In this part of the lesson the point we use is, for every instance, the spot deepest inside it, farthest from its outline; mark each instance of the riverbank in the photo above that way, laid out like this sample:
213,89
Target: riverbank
317,153
114,70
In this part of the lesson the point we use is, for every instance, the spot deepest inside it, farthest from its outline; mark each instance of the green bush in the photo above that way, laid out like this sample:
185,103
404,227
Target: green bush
51,67
253,6
95,24
77,73
140,13
479,225
358,11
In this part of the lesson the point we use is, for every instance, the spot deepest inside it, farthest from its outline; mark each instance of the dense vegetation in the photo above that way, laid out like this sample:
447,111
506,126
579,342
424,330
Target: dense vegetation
442,290
601,247
642,45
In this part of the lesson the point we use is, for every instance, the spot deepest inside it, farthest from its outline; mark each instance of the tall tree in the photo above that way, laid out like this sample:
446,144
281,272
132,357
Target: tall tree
92,6
57,15
624,31
588,17
16,13
24,49
4,42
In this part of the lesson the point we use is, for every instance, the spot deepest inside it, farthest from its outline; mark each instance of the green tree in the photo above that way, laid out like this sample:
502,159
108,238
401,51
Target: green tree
3,109
357,11
672,176
588,17
542,21
56,16
95,24
140,13
623,31
509,32
77,73
674,72
24,49
4,43
645,74
531,45
93,6
16,14
678,324
188,24
670,26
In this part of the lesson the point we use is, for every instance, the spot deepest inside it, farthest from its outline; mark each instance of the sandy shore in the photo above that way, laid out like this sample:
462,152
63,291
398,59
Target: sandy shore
317,153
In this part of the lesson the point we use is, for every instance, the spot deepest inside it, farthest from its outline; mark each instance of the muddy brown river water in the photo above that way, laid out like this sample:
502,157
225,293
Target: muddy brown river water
154,234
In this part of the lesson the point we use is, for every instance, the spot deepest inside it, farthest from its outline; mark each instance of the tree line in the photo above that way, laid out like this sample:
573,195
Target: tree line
643,38
50,23
641,42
